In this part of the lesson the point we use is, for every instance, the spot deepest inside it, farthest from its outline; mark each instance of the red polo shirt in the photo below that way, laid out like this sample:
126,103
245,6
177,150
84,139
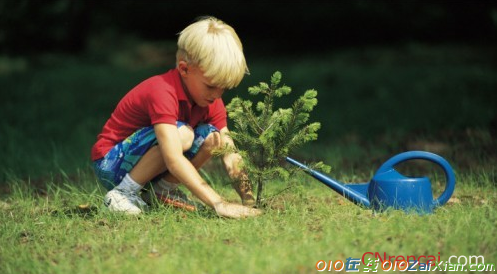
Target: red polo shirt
159,99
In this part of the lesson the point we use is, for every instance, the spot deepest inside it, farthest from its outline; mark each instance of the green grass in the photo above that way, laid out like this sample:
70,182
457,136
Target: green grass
373,104
49,233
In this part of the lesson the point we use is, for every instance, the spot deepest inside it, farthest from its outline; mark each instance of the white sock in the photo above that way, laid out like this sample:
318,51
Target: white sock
163,185
129,185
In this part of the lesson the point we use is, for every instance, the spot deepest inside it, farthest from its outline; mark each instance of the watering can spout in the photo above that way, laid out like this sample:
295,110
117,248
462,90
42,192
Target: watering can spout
356,193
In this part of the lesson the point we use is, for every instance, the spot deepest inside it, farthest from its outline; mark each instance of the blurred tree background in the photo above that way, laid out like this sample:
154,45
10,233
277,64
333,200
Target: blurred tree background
395,75
296,26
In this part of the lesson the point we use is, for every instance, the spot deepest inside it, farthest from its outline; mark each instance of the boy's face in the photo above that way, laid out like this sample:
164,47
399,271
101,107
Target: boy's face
198,87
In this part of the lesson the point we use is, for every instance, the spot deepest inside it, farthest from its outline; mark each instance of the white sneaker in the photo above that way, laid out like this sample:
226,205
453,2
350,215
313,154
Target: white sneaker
119,201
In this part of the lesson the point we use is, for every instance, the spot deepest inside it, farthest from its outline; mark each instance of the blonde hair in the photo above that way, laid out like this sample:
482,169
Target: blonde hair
215,48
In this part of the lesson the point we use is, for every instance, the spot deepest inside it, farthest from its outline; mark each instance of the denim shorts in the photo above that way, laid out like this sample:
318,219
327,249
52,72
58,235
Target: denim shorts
112,168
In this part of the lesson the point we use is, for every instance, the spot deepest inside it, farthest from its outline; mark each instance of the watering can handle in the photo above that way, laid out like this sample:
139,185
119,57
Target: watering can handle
423,155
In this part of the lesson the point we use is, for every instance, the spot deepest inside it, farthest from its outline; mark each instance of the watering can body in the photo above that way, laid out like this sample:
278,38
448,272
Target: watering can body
390,189
394,190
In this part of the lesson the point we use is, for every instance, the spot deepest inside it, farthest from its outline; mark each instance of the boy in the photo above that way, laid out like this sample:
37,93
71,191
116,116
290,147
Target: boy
170,117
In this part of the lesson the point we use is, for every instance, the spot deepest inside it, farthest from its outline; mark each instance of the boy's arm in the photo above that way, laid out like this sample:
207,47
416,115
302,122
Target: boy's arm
171,150
232,163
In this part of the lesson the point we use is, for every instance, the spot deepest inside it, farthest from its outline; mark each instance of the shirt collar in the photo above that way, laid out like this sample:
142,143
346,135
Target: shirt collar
179,87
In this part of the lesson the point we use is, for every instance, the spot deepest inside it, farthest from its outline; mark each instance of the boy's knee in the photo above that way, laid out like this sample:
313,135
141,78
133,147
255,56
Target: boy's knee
186,136
212,141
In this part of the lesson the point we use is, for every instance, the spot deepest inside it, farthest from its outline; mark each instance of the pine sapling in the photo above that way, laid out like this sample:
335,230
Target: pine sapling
264,136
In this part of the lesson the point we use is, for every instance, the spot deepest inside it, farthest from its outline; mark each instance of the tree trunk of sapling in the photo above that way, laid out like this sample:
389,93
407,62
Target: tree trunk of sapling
260,186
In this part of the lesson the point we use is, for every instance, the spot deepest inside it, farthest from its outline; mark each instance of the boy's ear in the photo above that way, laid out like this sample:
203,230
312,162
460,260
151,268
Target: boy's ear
183,68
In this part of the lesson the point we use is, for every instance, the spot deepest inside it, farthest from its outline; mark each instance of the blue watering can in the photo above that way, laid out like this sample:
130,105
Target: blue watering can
389,188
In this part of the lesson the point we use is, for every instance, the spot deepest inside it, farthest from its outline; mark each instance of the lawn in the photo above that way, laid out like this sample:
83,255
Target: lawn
373,104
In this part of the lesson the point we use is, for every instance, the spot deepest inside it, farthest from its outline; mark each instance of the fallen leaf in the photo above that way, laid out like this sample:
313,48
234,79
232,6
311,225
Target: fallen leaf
454,200
4,205
154,253
342,202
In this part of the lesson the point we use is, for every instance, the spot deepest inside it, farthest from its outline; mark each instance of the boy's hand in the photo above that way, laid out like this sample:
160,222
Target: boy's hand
232,162
244,189
225,209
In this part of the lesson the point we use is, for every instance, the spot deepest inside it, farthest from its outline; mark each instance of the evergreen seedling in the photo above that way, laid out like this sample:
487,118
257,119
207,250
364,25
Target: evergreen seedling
264,137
